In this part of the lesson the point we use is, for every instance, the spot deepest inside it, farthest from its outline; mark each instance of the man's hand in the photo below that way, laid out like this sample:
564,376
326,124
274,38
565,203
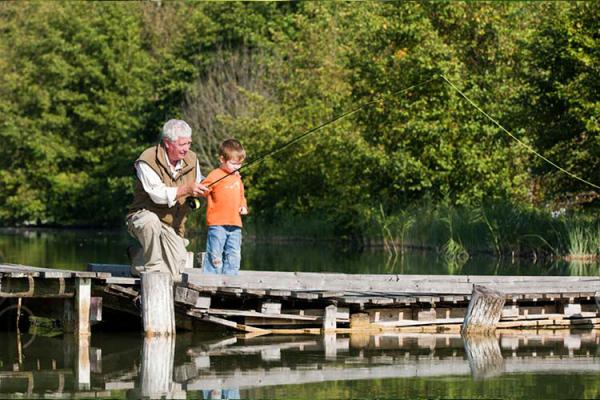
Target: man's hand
193,189
243,211
199,189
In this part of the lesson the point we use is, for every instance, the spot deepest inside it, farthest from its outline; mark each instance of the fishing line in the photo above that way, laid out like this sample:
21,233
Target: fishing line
529,148
323,125
363,106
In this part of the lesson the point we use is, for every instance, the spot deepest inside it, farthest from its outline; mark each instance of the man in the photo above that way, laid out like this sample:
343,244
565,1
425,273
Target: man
167,174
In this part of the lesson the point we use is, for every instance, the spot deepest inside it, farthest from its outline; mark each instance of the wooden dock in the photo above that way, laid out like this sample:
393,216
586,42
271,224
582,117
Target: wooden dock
268,302
385,302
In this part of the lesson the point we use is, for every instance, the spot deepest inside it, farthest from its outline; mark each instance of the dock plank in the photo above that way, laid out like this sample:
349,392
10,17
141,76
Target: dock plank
122,281
20,271
251,313
425,285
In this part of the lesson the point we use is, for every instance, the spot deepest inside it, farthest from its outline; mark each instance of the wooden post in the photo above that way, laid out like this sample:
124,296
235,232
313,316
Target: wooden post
96,309
270,354
83,295
95,360
329,318
485,309
156,375
158,311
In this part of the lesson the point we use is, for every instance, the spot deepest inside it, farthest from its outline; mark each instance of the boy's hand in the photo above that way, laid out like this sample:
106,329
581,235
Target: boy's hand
243,211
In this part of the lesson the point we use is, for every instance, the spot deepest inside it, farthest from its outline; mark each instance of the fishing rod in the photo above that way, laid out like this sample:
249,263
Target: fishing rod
194,202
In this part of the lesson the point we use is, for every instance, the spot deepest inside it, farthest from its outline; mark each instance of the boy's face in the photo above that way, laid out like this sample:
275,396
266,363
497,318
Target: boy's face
231,165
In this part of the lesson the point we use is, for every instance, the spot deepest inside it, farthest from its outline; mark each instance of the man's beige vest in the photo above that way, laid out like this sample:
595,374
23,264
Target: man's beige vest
174,216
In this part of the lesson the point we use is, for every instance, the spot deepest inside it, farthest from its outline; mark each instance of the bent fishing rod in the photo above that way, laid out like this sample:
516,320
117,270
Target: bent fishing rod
193,201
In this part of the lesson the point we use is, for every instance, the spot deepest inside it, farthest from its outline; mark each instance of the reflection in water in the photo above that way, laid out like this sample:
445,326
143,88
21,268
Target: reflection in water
234,367
484,355
156,375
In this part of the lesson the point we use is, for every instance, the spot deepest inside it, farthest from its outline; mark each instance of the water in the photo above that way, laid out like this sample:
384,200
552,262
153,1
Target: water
75,249
530,365
215,364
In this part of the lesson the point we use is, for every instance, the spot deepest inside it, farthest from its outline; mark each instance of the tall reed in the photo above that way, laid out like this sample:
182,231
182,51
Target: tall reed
584,240
496,228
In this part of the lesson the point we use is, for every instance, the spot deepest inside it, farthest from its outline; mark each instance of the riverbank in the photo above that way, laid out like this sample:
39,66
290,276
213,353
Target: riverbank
456,233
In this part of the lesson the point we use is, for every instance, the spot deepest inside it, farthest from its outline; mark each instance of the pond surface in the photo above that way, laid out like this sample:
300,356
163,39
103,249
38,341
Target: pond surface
533,365
527,364
70,249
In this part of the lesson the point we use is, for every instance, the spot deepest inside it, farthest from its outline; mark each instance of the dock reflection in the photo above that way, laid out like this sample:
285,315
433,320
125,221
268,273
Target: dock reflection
223,367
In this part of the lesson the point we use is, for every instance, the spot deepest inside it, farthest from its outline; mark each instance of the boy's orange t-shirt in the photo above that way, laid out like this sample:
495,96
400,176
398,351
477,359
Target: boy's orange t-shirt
224,199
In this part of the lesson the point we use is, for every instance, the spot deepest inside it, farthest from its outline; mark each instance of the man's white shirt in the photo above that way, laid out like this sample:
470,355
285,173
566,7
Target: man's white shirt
155,187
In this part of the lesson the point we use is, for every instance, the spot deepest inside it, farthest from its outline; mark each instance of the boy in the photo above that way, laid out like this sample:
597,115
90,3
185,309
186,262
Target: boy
226,204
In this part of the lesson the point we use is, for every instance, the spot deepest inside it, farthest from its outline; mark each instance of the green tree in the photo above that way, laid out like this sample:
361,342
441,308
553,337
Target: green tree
74,102
562,100
427,141
84,87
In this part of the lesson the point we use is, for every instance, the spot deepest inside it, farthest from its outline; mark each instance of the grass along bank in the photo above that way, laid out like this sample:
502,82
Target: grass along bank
500,229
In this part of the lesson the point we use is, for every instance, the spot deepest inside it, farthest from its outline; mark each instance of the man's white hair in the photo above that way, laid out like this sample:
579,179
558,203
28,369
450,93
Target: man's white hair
176,128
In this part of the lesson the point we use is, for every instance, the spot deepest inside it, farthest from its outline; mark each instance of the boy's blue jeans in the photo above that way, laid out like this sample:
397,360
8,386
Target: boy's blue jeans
223,250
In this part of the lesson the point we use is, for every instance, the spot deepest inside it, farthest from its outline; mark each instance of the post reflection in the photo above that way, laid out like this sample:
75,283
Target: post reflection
484,355
156,368
226,367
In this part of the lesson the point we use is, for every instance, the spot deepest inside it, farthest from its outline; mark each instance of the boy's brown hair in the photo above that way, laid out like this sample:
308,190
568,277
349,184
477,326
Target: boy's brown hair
232,149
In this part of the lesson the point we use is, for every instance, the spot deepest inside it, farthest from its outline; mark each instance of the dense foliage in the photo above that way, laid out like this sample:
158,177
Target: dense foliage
84,87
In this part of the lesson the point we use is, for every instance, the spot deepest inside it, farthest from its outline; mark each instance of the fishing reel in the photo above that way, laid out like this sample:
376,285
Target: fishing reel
194,202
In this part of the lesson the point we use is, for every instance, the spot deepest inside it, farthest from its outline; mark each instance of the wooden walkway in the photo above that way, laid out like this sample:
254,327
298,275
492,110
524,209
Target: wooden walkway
267,302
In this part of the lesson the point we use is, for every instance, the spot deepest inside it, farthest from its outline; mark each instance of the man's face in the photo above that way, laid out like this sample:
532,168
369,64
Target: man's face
177,149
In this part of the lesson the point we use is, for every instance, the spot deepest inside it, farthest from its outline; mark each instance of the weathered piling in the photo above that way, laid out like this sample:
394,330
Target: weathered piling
158,311
329,319
484,311
83,295
76,310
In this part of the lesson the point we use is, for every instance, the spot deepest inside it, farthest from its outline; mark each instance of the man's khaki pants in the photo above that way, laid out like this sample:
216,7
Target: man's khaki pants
163,249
